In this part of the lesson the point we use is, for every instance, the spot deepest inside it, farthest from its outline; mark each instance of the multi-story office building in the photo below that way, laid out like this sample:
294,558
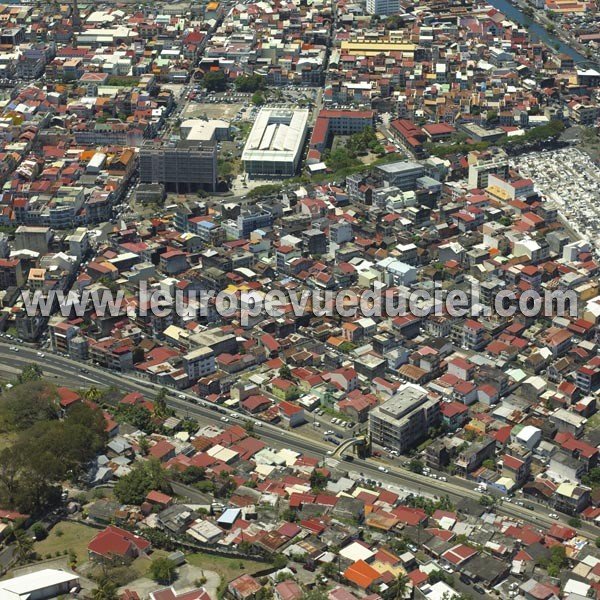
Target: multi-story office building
405,418
383,7
187,166
402,174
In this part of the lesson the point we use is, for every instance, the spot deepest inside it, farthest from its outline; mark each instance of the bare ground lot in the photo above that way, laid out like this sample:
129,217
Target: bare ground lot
212,111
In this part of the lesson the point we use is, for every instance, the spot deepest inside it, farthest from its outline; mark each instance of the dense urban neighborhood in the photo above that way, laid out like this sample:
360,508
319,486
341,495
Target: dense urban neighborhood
300,300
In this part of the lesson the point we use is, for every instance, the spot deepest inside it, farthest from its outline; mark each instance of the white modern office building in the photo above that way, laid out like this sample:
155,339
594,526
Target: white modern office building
274,146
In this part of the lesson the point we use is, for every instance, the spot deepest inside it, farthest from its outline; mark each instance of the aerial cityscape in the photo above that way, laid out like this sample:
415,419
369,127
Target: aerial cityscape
300,300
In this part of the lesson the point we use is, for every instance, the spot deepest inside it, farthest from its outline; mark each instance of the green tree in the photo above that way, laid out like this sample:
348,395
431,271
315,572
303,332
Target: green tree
192,474
575,522
160,403
106,590
162,570
290,515
257,98
486,500
317,480
32,372
250,83
39,531
416,465
401,586
279,560
144,444
598,542
329,569
285,373
143,478
26,404
23,545
215,81
491,116
11,465
137,415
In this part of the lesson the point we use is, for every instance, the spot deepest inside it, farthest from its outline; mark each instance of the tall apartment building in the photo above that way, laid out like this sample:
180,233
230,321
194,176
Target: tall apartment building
33,238
482,164
184,167
314,241
383,7
199,363
11,273
404,419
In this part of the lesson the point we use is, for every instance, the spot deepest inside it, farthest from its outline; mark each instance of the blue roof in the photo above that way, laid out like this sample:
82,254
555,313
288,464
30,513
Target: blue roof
207,224
229,516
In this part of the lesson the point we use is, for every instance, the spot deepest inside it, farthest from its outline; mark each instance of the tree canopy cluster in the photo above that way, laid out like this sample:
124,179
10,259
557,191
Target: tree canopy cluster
215,81
250,83
143,478
46,449
345,157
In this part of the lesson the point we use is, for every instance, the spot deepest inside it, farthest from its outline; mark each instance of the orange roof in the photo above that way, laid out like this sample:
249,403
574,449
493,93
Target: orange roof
361,574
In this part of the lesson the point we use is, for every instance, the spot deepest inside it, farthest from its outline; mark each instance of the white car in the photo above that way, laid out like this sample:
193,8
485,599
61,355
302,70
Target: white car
181,397
442,478
41,354
553,516
258,423
317,424
225,419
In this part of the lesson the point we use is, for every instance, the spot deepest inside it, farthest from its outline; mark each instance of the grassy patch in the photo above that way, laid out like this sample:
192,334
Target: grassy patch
7,440
227,568
140,566
74,536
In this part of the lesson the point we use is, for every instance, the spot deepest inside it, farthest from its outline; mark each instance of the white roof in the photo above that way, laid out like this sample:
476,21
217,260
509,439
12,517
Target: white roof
356,551
277,135
25,585
576,587
438,591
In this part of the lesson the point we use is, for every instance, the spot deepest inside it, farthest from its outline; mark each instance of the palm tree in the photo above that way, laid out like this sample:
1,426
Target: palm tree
106,590
401,585
24,545
160,403
93,394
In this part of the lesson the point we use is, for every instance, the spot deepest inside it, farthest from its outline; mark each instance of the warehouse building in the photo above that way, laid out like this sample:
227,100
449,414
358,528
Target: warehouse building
274,146
39,585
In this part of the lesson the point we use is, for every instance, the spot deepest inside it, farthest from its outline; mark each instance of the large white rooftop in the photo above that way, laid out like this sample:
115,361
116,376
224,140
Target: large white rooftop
25,585
277,135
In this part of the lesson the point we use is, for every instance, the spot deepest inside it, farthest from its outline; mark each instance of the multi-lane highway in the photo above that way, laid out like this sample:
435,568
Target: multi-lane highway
67,372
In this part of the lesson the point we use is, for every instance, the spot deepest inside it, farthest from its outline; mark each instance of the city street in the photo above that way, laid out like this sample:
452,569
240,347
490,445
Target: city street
68,373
